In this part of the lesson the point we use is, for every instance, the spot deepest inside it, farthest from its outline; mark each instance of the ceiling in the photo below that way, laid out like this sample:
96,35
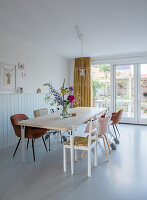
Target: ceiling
109,26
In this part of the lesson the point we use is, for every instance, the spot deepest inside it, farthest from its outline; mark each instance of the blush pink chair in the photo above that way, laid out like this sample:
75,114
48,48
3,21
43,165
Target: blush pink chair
116,117
30,132
102,130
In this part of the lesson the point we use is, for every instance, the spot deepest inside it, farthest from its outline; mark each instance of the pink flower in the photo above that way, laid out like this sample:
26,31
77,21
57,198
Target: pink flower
71,98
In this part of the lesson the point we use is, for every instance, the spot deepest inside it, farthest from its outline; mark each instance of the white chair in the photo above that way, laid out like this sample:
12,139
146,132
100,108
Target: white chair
42,112
39,113
59,133
103,124
85,144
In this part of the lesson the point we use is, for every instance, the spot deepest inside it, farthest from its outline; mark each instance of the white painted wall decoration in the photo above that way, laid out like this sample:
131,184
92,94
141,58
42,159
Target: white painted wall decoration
7,77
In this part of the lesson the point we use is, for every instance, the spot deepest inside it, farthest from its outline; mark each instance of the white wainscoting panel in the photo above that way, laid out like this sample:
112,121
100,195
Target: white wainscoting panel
11,104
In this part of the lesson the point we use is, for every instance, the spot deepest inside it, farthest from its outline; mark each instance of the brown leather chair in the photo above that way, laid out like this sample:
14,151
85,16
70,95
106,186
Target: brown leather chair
116,117
30,132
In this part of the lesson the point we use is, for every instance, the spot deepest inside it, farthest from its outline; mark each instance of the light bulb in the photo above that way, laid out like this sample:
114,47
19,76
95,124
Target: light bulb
82,72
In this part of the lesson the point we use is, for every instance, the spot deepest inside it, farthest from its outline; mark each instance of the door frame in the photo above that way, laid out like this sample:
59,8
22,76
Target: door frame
140,120
137,94
125,119
136,61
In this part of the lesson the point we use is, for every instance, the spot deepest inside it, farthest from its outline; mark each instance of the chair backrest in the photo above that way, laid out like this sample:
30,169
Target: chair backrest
40,112
117,117
92,127
108,113
92,130
103,125
14,120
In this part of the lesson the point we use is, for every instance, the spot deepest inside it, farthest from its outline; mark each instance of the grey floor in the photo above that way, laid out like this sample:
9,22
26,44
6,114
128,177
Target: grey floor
123,177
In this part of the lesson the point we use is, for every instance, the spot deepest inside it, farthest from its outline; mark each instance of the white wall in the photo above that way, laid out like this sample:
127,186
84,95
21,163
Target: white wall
11,104
71,71
40,65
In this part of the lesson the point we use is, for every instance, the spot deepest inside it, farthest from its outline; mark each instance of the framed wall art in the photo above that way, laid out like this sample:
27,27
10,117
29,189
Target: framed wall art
7,77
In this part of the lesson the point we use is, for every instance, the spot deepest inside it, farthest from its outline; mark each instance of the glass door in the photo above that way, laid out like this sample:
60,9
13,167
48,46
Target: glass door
101,92
142,94
125,92
121,87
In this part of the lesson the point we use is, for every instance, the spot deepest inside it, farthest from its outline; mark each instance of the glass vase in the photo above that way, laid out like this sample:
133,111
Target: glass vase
65,113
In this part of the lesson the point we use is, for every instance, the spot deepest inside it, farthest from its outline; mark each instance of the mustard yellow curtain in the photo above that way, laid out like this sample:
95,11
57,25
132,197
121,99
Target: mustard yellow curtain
82,84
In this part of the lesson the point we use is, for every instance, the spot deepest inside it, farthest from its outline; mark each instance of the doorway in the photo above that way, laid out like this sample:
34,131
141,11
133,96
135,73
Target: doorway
121,87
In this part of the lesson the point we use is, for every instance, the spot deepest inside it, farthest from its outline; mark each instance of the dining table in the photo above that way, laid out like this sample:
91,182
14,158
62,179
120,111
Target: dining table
53,121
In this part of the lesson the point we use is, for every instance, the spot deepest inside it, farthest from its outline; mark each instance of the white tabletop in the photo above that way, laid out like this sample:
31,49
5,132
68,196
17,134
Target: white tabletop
53,121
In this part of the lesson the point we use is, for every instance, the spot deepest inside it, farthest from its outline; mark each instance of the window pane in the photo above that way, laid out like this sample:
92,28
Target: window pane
144,91
101,85
125,89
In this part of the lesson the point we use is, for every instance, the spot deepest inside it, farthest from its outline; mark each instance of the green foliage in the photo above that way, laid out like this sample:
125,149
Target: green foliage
104,68
50,99
144,107
96,85
122,82
145,94
123,97
118,73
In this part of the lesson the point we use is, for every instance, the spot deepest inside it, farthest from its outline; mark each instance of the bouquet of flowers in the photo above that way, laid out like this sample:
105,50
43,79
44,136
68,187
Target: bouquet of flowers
63,98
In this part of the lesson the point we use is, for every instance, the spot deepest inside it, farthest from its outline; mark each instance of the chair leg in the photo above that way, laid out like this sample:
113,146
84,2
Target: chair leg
33,149
61,137
114,131
95,155
82,154
117,129
27,143
44,143
49,140
58,136
107,143
64,159
89,162
76,155
17,147
105,148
